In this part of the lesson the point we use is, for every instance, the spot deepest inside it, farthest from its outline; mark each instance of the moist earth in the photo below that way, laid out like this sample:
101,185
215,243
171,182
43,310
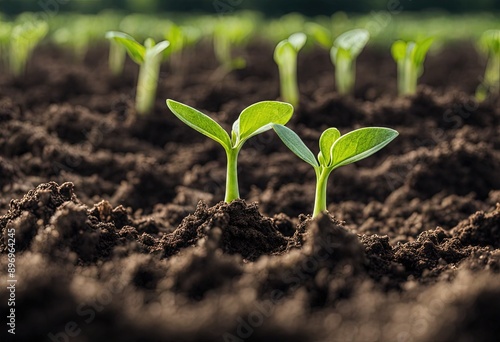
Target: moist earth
121,235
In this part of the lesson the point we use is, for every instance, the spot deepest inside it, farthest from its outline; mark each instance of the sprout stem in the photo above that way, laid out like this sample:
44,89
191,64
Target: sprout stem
322,175
117,54
232,191
288,79
147,84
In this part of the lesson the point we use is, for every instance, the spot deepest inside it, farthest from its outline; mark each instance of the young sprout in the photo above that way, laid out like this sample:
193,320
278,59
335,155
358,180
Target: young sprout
253,120
179,38
319,34
490,45
149,56
24,38
343,53
5,32
228,33
410,57
116,58
285,55
335,151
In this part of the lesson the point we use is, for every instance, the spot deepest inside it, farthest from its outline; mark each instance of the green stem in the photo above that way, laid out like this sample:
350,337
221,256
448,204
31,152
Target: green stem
492,74
116,58
344,75
288,81
147,84
321,186
232,191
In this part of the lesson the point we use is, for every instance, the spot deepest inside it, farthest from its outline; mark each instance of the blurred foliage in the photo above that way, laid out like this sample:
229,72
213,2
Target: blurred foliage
270,8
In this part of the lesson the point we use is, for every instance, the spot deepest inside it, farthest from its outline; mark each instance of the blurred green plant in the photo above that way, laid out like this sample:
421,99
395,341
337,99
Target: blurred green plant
285,56
343,53
26,33
410,57
149,56
230,32
489,44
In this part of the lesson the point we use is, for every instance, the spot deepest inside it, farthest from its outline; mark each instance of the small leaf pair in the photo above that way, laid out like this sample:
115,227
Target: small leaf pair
253,120
285,55
410,57
149,56
335,151
489,44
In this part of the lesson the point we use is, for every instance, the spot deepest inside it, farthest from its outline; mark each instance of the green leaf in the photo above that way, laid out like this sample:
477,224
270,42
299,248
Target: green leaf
298,40
359,144
258,117
157,49
490,42
200,122
420,51
398,50
135,50
295,144
320,34
353,41
326,143
289,48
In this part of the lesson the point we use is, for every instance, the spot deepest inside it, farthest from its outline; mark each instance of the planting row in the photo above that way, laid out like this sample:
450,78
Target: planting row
19,38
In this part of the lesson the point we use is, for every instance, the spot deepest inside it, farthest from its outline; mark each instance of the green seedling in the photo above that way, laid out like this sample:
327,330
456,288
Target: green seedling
343,54
285,55
180,37
116,58
335,151
228,33
489,44
5,33
253,120
25,36
319,34
410,57
149,56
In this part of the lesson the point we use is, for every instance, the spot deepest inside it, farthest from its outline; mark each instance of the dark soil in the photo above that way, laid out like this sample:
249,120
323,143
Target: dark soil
120,235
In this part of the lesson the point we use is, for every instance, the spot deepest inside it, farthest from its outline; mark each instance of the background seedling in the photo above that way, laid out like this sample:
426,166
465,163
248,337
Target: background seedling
489,44
335,151
5,32
410,57
149,56
285,55
344,52
228,33
25,36
253,120
180,37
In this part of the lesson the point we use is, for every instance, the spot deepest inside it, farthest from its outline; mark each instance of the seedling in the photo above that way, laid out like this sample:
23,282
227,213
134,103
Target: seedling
335,151
490,45
228,33
344,52
285,55
179,38
24,38
149,56
116,58
253,120
410,57
5,32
